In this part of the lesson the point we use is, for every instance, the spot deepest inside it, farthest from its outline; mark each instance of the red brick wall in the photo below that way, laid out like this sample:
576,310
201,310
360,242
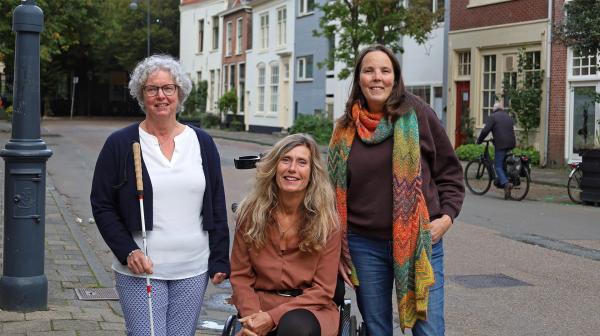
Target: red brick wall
513,11
233,17
558,108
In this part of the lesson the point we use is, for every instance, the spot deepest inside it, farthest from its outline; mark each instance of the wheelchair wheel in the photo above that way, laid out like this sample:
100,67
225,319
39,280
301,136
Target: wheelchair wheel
232,326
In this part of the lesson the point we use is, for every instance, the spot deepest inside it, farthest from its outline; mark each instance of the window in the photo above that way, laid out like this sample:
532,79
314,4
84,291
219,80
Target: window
215,32
198,76
306,7
464,63
231,77
533,63
264,31
281,26
200,36
509,77
212,89
229,44
261,88
489,85
225,76
239,31
422,91
305,68
274,87
584,64
286,71
241,86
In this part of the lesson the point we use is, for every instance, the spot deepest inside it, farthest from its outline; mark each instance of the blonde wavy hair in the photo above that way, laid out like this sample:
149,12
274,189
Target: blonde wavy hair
255,213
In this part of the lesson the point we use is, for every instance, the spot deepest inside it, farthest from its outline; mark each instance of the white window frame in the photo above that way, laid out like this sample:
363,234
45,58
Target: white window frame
464,63
281,26
274,87
303,7
229,38
302,62
215,33
241,86
200,35
261,89
264,30
239,30
493,87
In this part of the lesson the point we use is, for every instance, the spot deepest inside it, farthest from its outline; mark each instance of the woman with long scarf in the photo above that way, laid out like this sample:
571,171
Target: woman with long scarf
399,188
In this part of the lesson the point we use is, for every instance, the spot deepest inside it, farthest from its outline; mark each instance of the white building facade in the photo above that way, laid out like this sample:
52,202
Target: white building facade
270,67
200,45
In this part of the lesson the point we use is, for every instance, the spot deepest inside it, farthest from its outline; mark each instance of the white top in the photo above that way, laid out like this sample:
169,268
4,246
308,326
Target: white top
177,244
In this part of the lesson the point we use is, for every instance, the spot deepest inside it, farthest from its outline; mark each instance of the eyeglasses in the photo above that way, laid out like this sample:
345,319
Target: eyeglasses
152,90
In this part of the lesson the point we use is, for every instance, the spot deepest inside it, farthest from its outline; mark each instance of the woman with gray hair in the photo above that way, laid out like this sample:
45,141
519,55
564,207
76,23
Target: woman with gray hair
184,206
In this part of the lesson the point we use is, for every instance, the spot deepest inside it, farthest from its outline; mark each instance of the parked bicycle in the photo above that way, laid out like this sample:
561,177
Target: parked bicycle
574,184
480,173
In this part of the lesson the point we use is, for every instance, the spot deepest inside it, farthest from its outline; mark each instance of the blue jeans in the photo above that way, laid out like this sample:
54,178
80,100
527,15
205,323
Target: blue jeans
373,260
499,155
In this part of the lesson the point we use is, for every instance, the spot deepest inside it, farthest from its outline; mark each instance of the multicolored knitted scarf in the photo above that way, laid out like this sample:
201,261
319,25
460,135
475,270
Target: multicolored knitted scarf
411,237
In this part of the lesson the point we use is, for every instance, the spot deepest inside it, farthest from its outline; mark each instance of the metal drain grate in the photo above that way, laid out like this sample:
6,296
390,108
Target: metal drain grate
91,294
487,281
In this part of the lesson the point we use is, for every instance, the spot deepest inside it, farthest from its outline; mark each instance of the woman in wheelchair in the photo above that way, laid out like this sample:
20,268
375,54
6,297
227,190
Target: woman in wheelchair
286,249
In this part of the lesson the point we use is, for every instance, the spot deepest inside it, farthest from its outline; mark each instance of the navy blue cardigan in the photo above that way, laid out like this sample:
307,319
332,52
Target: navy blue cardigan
116,208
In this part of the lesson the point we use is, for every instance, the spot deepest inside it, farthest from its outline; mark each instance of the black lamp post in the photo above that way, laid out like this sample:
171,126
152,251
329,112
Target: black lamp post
23,285
134,5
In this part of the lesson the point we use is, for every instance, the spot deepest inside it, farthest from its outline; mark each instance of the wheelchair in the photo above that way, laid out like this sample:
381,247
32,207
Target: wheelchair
348,325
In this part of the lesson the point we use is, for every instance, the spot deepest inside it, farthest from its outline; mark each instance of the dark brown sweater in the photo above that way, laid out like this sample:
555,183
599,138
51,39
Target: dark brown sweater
370,177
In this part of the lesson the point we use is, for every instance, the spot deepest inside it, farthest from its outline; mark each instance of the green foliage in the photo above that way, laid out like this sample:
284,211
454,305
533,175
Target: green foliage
530,152
580,27
90,38
472,152
228,103
367,22
209,120
236,125
526,96
196,102
8,113
467,127
319,126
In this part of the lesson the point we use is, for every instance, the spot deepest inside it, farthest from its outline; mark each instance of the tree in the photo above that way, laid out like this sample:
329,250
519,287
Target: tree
525,97
365,22
580,28
89,38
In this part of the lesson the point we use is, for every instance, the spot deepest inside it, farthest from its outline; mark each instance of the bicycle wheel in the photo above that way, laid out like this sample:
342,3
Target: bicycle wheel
478,177
520,189
574,186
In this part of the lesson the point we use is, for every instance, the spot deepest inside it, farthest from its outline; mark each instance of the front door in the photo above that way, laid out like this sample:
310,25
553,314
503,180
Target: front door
464,125
584,119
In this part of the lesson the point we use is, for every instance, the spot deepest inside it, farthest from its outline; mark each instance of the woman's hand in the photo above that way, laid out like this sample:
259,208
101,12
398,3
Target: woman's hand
259,323
345,272
218,278
139,263
438,227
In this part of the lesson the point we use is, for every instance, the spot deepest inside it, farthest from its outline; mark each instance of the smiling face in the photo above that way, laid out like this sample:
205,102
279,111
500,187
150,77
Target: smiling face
161,105
293,171
376,79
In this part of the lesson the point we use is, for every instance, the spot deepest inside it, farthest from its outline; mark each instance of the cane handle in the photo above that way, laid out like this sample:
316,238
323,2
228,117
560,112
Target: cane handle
137,162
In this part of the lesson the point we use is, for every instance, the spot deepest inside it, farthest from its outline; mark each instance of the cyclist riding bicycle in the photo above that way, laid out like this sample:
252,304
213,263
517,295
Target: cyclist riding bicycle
502,127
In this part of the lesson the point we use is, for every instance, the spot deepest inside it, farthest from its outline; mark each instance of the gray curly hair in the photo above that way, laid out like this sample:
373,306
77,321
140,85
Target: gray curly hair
154,63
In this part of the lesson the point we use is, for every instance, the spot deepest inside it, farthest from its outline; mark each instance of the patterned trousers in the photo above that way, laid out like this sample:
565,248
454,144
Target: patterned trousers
176,304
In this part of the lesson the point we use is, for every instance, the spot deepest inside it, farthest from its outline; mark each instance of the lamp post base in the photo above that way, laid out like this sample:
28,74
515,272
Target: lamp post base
24,294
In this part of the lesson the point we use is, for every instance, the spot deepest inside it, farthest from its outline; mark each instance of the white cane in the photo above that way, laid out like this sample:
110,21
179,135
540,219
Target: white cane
137,160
